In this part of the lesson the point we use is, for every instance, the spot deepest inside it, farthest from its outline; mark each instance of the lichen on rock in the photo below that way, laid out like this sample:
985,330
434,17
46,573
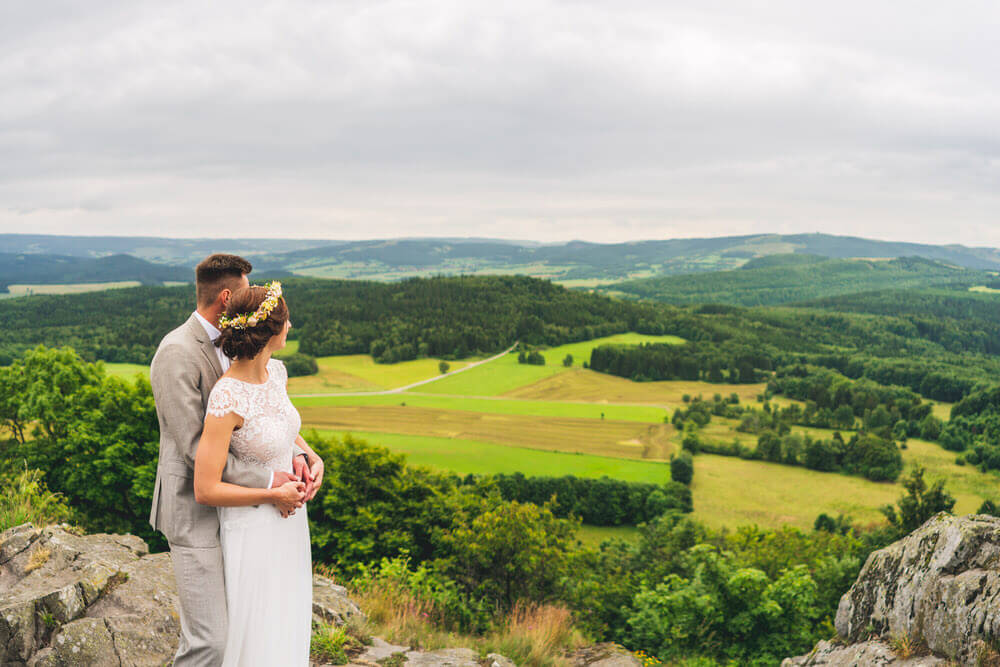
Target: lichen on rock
939,587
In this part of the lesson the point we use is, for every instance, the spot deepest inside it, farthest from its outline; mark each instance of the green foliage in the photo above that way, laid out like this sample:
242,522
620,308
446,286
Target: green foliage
873,457
511,552
725,610
988,507
327,644
533,358
598,502
568,360
372,506
682,468
787,278
94,437
439,597
919,504
24,498
299,364
443,367
450,317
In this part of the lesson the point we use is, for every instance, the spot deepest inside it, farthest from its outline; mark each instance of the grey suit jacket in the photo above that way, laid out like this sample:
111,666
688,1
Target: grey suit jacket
183,372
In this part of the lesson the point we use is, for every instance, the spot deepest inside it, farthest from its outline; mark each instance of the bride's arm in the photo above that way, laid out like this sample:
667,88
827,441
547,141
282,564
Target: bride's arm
209,461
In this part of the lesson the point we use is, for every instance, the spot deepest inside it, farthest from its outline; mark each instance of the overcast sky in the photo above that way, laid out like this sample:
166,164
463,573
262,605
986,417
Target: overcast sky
528,119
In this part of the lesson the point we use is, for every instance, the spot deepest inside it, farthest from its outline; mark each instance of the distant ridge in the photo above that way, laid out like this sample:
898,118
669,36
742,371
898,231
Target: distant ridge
37,269
575,263
780,279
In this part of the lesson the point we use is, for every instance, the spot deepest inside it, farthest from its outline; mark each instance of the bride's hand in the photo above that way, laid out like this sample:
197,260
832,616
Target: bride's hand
288,496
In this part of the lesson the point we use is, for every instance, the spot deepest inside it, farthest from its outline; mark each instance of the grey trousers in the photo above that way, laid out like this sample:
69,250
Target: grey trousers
201,587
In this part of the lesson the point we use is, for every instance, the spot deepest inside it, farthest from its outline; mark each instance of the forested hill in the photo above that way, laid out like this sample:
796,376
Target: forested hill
26,268
579,263
444,317
789,278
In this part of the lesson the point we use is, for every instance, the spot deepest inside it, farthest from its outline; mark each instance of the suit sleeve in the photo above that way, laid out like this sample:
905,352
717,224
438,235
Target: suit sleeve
176,386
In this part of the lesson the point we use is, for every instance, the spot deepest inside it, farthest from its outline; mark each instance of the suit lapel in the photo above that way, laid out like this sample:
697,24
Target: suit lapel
206,345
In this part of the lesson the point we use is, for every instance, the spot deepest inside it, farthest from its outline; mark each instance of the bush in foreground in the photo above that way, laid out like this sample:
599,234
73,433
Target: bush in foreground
24,498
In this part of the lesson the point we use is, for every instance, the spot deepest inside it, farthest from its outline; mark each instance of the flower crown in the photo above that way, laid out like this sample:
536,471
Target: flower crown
247,320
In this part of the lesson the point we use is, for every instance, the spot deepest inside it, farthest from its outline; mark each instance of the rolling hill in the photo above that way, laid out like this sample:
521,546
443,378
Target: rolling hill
778,279
575,264
41,269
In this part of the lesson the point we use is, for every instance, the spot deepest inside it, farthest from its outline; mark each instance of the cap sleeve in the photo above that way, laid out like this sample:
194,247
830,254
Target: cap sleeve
277,366
227,397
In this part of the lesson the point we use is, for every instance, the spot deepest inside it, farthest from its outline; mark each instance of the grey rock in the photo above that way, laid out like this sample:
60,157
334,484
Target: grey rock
331,604
67,599
379,650
497,660
445,657
603,655
939,585
829,654
84,642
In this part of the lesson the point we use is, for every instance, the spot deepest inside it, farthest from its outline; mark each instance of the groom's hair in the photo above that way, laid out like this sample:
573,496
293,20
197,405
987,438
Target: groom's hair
217,272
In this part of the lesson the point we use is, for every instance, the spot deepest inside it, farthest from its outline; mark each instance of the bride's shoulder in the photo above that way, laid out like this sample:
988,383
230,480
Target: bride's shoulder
277,366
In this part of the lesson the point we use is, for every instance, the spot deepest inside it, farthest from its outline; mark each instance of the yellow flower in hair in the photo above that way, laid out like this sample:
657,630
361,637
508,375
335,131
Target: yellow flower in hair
244,320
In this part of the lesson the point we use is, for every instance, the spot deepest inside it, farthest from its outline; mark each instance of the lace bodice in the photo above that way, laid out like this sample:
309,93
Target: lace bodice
270,421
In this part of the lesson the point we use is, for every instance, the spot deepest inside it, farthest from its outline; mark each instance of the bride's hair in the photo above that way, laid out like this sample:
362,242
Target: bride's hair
247,343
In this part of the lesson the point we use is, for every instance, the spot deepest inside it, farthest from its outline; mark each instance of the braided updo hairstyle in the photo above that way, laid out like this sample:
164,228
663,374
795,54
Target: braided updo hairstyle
248,343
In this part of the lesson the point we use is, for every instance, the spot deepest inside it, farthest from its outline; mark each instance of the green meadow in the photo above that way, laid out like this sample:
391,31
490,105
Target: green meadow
506,374
727,491
503,406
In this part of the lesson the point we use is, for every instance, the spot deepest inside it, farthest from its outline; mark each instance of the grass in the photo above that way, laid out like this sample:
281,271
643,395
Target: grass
984,289
624,439
69,288
629,440
506,375
128,371
38,558
532,635
359,372
476,457
591,386
730,491
24,498
500,406
592,536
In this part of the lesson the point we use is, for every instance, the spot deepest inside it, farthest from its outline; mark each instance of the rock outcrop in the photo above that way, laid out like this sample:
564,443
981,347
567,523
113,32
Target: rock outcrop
933,595
71,599
68,599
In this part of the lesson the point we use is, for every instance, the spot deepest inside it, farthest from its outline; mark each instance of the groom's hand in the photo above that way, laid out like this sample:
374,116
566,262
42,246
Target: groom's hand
300,467
316,475
281,477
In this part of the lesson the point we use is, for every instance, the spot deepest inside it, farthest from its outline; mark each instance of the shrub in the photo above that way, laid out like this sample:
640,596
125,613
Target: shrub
24,498
513,552
444,367
299,365
919,504
682,468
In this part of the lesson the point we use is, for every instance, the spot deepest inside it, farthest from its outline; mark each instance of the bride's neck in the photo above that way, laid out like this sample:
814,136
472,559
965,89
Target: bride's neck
252,370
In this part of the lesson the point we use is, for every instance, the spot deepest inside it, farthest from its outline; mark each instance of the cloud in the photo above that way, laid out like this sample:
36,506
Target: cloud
548,120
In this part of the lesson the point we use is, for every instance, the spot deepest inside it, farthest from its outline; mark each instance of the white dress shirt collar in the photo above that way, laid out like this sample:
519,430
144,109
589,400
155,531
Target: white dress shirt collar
209,328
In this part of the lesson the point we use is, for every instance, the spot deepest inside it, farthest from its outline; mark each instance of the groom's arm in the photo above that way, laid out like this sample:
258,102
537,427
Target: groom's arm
176,388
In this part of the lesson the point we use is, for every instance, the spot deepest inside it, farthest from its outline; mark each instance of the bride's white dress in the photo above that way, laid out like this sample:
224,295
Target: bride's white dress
268,565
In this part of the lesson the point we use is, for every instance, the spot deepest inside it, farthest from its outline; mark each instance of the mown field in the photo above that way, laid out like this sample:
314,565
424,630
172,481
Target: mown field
69,288
502,416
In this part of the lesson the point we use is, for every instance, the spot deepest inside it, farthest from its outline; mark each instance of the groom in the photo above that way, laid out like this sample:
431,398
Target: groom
185,368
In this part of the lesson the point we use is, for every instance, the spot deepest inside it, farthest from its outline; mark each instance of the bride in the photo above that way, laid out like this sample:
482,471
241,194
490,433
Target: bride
266,557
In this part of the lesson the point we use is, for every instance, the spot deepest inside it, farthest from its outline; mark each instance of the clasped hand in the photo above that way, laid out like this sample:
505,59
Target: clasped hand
298,487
